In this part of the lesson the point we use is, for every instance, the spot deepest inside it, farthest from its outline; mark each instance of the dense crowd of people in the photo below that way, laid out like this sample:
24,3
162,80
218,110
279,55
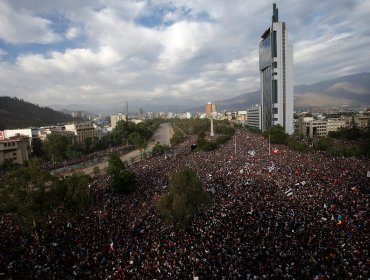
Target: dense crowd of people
277,215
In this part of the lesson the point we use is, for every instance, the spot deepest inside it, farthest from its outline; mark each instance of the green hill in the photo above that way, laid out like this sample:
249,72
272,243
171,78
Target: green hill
17,113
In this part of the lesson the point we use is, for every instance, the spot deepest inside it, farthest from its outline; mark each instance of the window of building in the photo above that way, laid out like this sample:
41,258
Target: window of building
274,44
274,91
275,110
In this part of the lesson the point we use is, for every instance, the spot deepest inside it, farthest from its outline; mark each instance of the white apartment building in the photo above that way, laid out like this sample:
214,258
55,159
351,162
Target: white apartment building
116,118
254,116
61,130
31,132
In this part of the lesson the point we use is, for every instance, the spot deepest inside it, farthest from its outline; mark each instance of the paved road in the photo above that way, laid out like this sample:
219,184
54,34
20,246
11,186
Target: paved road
162,135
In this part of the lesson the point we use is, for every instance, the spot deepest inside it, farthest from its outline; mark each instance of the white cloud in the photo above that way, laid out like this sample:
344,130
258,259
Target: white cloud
71,61
73,32
138,50
21,27
182,41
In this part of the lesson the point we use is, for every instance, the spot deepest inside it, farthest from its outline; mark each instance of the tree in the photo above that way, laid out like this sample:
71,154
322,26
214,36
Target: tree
34,194
297,146
210,146
37,150
277,135
55,146
121,180
177,137
224,128
185,198
223,139
136,140
88,144
200,142
77,192
159,149
323,143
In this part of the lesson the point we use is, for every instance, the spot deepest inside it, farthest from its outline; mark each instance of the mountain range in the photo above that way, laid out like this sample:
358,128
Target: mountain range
347,90
17,113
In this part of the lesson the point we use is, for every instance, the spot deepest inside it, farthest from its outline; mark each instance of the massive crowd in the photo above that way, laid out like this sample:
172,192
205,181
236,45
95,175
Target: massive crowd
280,215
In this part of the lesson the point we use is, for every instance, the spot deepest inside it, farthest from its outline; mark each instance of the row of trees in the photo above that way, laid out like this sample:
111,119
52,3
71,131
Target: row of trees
360,148
57,147
177,136
224,131
159,149
201,127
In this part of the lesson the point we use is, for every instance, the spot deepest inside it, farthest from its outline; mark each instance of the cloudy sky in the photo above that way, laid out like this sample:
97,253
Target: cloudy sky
101,52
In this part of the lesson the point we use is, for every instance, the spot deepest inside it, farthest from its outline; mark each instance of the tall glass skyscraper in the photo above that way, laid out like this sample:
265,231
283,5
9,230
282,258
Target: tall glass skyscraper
276,74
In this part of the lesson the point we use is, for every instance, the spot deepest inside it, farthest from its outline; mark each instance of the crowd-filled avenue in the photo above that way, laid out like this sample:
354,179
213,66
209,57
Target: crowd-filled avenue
284,215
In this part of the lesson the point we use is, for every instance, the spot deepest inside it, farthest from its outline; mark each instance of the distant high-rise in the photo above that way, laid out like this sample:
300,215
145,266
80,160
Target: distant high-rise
116,118
276,74
210,109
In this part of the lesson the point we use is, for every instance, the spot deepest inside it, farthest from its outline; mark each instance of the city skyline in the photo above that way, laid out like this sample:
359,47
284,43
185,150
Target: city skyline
71,52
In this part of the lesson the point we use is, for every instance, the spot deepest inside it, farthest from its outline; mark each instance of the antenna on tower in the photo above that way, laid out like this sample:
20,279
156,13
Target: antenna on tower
126,107
275,13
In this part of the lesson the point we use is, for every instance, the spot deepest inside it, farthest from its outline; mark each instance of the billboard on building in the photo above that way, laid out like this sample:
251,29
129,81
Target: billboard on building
1,135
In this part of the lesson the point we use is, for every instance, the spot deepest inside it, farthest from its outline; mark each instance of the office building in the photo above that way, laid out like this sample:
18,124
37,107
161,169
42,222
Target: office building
310,127
82,131
210,109
254,116
276,75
